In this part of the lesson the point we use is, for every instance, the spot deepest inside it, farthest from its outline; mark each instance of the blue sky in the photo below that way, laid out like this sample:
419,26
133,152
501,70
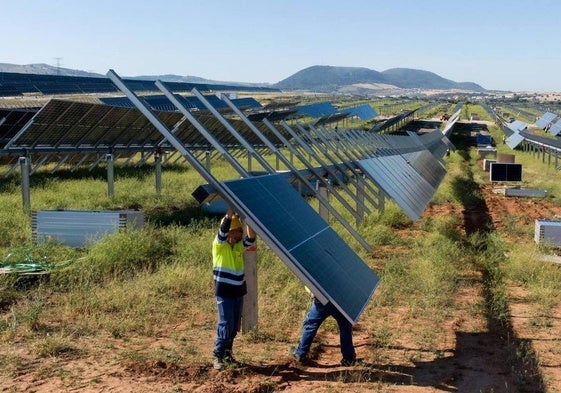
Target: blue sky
499,44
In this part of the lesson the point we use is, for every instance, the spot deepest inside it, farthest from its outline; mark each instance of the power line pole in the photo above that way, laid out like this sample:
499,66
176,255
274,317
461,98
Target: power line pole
58,59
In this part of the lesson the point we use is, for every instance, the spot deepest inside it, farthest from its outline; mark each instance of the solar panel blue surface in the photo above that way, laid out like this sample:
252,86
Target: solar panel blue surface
316,110
364,112
427,166
555,128
545,119
517,125
514,140
246,102
311,248
401,182
161,103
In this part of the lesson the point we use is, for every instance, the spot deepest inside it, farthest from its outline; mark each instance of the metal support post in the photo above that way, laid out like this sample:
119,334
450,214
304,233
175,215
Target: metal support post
158,166
207,156
322,190
249,163
360,201
110,175
25,163
250,309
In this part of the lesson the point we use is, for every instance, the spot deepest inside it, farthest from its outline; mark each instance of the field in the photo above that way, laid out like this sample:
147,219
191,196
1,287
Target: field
467,302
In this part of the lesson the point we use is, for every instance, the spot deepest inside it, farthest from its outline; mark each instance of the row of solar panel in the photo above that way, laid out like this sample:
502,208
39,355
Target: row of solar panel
15,84
516,132
11,121
85,125
327,109
161,103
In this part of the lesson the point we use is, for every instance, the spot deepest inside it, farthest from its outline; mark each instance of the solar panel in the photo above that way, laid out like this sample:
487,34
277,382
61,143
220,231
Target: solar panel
555,128
313,251
390,122
427,166
11,121
317,110
435,142
545,120
514,140
401,182
517,126
505,172
246,103
364,112
333,118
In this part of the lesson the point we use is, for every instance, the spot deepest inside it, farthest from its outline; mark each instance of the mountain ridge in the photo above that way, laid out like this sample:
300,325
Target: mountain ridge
330,78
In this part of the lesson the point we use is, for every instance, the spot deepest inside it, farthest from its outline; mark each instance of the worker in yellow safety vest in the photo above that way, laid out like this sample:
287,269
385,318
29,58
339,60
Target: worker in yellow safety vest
229,283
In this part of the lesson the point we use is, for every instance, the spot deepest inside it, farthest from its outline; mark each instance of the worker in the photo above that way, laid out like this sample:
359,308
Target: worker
229,283
318,313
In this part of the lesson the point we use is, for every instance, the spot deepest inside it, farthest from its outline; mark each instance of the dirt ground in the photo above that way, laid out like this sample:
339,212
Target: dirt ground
471,359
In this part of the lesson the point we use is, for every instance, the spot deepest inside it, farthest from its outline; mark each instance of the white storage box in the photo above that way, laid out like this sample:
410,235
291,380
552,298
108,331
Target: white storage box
77,228
548,231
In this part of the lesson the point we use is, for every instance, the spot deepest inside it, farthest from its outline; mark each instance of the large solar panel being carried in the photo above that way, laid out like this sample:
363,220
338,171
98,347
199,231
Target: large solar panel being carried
307,244
545,120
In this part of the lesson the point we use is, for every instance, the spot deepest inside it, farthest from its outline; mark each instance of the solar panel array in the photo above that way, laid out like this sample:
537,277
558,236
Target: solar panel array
77,126
161,103
16,84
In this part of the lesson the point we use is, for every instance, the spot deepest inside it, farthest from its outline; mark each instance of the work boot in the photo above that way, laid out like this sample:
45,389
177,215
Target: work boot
218,363
229,359
295,357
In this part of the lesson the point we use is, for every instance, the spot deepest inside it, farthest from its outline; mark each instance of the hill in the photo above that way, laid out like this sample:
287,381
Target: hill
45,69
329,78
338,79
411,78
